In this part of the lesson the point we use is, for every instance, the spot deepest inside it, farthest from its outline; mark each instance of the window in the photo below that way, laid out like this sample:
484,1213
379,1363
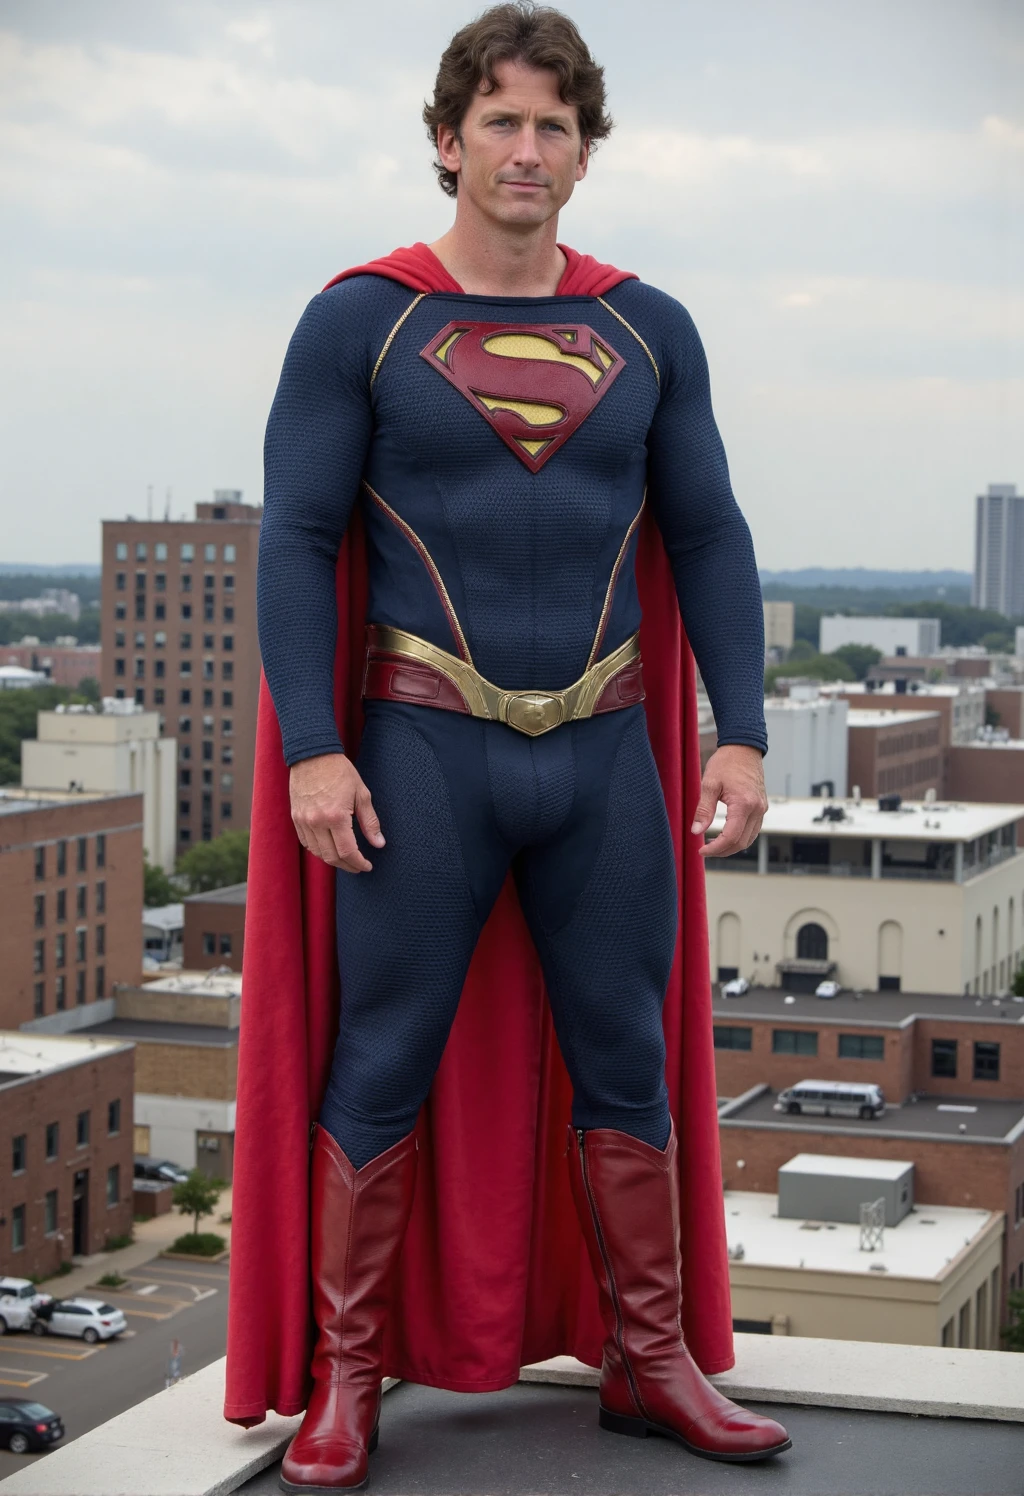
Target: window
52,1140
207,724
140,668
101,849
861,1046
811,943
227,754
224,944
159,639
944,1058
160,551
227,670
40,910
186,640
184,835
40,862
101,940
119,638
209,943
209,610
794,1041
160,581
120,611
80,986
207,641
140,550
160,610
62,904
17,1228
229,582
38,999
227,780
186,586
185,668
120,551
986,1061
185,752
81,898
100,897
140,581
208,752
60,994
227,698
160,670
209,582
50,1213
186,610
82,859
228,641
229,553
208,776
140,695
82,1130
19,1152
140,608
229,613
185,778
207,698
121,581
188,552
731,1036
185,724
101,981
184,809
80,938
207,670
113,1184
209,553
140,638
114,1116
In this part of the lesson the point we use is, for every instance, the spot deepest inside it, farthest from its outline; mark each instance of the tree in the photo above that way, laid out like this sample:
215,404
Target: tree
157,887
818,667
859,657
1017,985
216,863
18,717
1013,1335
197,1196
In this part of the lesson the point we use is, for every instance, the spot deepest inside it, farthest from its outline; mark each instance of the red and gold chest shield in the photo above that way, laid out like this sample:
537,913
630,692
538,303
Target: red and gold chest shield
535,383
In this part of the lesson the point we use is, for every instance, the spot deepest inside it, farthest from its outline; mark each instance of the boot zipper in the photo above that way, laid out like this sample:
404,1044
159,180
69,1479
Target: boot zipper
612,1290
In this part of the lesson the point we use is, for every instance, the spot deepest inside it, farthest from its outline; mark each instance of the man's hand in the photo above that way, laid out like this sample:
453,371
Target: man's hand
734,775
325,793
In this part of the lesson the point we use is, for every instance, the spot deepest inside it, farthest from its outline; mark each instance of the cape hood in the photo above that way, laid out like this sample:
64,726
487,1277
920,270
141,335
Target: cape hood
494,1273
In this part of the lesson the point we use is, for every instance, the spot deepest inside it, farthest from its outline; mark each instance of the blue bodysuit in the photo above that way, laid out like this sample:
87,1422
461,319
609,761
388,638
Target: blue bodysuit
501,450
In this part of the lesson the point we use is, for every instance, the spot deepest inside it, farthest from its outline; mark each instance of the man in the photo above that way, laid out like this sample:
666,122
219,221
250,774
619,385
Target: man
502,413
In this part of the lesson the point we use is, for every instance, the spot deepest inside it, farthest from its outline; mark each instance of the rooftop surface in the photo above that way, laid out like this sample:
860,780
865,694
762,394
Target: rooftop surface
164,917
146,1031
233,893
941,821
883,717
23,1054
891,1009
958,1118
961,686
921,1246
15,800
215,983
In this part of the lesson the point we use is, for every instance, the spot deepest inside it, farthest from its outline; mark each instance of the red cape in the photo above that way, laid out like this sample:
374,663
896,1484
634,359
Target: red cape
494,1273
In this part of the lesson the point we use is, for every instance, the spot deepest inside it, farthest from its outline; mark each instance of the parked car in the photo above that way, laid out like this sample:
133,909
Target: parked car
89,1319
736,987
26,1426
827,989
832,1098
26,1292
15,1314
159,1168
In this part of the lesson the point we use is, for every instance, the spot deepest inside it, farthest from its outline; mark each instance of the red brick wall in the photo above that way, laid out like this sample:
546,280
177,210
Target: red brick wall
119,818
209,917
64,664
1008,704
905,757
995,776
28,1107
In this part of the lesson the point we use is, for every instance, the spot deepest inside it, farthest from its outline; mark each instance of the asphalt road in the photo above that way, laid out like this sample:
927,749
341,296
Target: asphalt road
86,1384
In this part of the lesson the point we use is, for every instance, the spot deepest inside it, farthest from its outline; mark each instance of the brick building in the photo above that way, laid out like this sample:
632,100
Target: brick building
892,750
65,1117
179,610
992,771
62,664
1006,705
215,928
952,1070
71,896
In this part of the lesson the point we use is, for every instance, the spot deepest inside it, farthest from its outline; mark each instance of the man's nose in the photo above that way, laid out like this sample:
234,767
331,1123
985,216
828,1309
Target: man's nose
527,146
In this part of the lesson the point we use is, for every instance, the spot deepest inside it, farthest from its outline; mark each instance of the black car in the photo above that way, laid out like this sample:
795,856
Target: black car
28,1426
159,1168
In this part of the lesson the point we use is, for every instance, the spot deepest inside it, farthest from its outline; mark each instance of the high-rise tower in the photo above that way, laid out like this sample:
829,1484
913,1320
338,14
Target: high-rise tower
999,550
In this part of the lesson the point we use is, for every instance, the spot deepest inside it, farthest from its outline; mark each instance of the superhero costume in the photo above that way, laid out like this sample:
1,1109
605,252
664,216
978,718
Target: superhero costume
444,400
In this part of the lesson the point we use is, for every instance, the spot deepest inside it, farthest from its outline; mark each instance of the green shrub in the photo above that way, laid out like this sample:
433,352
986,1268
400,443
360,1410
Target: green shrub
115,1243
111,1280
200,1243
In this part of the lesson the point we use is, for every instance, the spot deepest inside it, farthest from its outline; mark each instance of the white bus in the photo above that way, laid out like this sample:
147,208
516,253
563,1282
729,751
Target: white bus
832,1098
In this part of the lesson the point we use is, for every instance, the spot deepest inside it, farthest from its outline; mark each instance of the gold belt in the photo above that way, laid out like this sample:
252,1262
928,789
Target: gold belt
532,712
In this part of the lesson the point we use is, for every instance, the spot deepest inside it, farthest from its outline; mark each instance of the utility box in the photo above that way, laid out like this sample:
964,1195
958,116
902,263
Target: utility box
829,1187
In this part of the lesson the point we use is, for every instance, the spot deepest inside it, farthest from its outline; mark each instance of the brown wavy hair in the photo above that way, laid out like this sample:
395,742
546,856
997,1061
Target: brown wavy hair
537,35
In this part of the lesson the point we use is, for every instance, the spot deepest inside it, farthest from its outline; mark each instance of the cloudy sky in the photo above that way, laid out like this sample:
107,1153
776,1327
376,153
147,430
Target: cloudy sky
834,189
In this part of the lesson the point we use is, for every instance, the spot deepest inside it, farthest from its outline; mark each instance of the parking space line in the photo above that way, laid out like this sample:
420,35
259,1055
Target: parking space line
152,1314
33,1377
83,1355
188,1272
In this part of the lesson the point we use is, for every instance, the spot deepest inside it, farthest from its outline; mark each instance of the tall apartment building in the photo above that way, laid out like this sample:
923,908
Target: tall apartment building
70,904
779,625
999,550
179,612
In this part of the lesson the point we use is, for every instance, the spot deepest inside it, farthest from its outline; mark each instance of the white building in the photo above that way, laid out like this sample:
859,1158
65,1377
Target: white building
923,899
962,702
119,749
999,550
15,677
779,626
892,636
1018,647
163,934
807,745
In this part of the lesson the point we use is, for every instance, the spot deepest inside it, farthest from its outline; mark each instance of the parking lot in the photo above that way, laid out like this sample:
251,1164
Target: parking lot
87,1384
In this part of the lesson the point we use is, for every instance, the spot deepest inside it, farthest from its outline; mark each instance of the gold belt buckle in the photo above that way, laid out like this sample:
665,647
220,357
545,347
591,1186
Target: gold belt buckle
533,712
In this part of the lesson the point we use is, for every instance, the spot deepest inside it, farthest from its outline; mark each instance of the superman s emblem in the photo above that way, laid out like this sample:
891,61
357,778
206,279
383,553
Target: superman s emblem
535,384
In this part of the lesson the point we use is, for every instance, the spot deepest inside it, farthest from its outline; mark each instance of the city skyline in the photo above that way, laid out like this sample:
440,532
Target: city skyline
835,197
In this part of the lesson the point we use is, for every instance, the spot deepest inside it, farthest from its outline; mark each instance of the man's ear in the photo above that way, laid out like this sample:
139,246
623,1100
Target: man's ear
449,148
584,160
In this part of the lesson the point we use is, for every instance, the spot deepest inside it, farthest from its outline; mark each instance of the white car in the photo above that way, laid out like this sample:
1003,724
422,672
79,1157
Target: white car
16,1313
89,1319
736,987
827,989
26,1291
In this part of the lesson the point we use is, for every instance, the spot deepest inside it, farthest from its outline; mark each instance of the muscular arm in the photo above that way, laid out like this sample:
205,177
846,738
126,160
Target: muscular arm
317,436
707,540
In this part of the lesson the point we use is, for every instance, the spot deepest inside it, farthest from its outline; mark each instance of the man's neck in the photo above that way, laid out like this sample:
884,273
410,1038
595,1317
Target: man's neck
489,262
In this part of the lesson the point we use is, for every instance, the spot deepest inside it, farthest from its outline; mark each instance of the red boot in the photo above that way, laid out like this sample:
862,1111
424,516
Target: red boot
358,1222
627,1199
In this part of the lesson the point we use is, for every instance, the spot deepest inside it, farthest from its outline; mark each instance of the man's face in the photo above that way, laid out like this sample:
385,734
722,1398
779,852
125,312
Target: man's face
518,153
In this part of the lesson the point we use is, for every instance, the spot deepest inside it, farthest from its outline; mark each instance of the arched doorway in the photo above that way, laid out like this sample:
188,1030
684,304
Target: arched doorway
728,947
811,943
890,956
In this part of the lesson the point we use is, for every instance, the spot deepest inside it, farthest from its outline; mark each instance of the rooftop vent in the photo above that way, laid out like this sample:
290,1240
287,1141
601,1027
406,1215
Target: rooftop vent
891,802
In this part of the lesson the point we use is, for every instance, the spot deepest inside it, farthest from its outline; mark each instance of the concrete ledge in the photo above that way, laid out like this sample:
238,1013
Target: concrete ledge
177,1443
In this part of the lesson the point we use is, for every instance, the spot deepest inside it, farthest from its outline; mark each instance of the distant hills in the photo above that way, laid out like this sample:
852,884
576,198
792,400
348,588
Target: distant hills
864,579
72,569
